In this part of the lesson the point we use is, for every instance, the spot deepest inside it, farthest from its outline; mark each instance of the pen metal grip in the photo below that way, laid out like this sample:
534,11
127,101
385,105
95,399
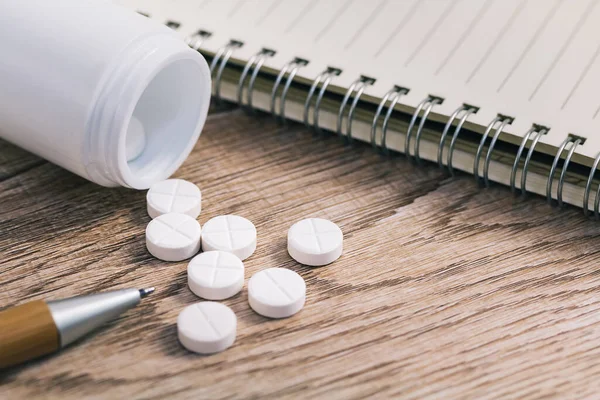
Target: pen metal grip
26,331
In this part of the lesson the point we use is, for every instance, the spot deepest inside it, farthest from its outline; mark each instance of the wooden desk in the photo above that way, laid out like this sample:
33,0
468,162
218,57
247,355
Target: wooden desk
444,290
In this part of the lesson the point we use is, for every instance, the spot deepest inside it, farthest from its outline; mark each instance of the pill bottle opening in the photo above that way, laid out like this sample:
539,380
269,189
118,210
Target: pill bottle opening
165,123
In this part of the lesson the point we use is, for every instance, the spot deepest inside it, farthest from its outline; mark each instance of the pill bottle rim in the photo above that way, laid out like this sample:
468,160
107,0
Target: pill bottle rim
117,97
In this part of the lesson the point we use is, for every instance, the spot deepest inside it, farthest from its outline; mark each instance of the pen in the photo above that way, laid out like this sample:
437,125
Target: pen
39,327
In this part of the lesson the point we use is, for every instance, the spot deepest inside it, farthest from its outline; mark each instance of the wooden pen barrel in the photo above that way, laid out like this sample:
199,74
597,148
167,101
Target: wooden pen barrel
26,331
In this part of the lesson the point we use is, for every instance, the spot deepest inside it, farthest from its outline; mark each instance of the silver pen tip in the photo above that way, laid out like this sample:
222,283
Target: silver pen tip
146,292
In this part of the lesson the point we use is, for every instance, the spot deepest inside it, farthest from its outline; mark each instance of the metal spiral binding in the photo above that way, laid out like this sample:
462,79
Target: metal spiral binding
563,173
257,62
588,186
488,156
575,141
393,95
538,131
465,111
499,123
427,105
293,67
597,203
195,41
221,58
326,77
359,86
597,199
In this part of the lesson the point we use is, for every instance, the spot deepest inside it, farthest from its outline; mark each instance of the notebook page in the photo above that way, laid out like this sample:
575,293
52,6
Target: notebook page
535,60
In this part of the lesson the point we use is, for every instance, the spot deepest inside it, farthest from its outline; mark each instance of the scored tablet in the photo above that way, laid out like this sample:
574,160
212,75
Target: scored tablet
215,275
174,195
206,327
315,242
173,237
230,233
276,292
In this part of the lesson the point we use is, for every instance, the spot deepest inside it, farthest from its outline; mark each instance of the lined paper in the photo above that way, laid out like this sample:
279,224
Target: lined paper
535,60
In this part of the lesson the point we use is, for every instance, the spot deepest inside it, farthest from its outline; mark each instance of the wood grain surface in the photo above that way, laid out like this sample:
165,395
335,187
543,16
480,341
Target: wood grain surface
444,290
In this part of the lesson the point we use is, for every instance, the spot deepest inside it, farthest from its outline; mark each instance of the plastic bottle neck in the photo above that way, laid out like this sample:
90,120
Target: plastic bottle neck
167,87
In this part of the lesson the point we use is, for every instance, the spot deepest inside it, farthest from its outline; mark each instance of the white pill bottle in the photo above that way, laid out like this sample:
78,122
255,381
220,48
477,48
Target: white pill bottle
75,73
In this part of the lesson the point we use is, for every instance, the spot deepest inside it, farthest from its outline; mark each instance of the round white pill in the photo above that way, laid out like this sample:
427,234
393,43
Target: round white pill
215,275
135,141
173,237
206,327
174,195
230,233
276,292
315,242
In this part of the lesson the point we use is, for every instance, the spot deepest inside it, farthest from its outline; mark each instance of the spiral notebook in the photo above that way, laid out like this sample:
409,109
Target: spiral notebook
503,89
